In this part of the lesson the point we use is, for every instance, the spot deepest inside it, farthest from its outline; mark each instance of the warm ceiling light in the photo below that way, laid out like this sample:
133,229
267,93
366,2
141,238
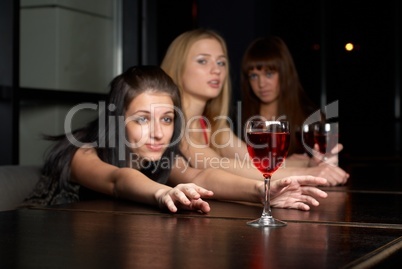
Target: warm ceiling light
349,46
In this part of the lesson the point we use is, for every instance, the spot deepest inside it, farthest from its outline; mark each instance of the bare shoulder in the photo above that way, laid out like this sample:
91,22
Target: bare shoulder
86,151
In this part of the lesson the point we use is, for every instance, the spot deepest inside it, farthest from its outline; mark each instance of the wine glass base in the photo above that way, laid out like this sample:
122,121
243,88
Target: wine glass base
266,222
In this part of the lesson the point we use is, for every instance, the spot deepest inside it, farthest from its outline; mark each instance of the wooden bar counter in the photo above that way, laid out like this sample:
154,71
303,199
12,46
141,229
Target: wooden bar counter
113,234
355,227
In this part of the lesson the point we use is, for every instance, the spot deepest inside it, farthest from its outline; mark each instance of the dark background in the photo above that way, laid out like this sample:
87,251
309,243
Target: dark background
366,82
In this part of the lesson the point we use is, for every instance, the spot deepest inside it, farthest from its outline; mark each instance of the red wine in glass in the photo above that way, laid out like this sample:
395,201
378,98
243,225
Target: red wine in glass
326,136
267,145
268,150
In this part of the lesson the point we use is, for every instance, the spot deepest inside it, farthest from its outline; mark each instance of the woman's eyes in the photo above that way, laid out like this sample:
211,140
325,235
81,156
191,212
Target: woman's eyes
201,61
145,120
141,120
204,61
253,76
222,63
167,119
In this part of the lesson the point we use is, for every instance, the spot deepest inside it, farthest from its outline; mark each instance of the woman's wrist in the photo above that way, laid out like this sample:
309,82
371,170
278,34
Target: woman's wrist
158,196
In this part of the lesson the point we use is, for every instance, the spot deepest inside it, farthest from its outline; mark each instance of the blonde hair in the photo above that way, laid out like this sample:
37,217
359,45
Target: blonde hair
174,65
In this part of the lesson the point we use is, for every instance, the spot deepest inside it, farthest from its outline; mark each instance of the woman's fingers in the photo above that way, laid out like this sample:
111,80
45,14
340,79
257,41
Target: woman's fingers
309,180
338,148
313,192
194,191
200,204
187,196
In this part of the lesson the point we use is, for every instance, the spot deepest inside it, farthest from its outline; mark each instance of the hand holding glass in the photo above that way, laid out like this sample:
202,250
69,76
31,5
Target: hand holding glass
267,145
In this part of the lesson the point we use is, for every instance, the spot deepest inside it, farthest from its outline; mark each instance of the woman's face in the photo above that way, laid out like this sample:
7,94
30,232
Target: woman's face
150,124
206,70
265,84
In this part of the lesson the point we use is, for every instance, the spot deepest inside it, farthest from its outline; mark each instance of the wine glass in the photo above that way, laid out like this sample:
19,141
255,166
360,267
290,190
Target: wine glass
267,145
305,138
326,136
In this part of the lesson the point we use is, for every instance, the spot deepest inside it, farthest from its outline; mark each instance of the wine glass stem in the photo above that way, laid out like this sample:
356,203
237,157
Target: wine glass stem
267,205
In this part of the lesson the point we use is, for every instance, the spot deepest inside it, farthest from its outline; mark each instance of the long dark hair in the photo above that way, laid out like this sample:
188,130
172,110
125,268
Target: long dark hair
272,54
105,132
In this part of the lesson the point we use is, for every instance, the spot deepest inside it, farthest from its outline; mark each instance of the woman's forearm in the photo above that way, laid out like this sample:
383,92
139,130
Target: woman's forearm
133,185
226,186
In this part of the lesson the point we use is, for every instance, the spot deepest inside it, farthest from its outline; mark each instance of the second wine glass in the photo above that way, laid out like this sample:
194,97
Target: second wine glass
326,135
267,145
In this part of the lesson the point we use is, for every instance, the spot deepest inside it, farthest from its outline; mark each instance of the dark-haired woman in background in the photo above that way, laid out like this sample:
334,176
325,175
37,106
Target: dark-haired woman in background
271,88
